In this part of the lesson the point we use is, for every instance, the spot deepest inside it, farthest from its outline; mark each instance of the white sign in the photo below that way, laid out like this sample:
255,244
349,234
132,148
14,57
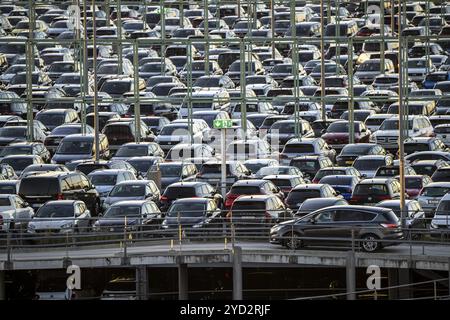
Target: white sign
74,280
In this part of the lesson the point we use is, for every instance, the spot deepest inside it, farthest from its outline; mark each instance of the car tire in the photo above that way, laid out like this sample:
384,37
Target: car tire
369,243
292,241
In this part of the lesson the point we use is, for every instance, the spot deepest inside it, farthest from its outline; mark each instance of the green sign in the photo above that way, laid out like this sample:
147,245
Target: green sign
222,123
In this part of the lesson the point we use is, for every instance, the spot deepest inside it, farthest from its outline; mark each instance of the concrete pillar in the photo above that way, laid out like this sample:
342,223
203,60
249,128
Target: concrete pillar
237,273
351,276
2,286
182,281
142,285
392,281
404,277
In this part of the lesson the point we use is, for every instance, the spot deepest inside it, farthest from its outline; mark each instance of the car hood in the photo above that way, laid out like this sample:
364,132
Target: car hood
48,223
111,200
174,221
63,158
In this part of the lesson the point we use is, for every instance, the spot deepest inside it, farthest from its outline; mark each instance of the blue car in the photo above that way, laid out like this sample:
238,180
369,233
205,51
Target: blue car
435,77
341,183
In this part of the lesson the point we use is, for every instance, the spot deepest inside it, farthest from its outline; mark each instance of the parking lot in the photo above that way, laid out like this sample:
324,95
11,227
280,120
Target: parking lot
291,122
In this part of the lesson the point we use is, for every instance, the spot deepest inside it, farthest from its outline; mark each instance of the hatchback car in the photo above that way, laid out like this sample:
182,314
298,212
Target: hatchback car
372,191
302,192
132,190
61,216
430,196
251,187
311,205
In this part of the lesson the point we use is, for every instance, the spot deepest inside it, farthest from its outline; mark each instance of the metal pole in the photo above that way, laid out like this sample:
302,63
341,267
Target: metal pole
322,60
382,68
351,276
243,66
401,120
351,107
189,94
137,105
237,273
183,282
206,36
119,36
29,74
96,122
85,68
272,25
224,162
142,287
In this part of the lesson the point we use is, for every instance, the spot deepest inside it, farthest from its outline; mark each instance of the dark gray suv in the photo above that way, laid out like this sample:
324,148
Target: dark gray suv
333,226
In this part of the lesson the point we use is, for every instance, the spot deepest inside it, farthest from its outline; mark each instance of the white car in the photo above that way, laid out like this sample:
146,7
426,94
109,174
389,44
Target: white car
15,212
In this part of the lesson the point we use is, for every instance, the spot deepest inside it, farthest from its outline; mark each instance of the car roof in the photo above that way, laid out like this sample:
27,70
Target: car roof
205,200
310,186
129,203
258,197
252,182
375,180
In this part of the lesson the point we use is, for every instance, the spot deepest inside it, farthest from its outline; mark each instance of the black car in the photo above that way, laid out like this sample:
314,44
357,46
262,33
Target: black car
181,190
39,188
352,151
192,214
367,225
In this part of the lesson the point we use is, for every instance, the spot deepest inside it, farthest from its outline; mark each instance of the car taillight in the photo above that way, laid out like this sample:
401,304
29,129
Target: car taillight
59,196
383,197
163,198
389,225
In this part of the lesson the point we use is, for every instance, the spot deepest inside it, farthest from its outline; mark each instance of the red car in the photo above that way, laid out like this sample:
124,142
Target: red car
415,183
337,133
251,187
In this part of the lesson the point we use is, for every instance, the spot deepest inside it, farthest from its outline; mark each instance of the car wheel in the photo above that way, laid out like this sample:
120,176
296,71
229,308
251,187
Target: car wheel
369,243
292,240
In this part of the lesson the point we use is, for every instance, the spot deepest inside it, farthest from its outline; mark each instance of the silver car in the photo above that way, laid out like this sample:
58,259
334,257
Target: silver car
431,195
441,217
132,190
61,216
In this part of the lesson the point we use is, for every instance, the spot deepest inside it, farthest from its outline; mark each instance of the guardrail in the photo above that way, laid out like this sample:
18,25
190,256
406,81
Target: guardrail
177,230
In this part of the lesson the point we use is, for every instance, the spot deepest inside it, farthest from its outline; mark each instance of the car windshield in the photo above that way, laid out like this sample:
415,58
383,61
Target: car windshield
64,131
5,189
368,164
186,210
341,127
299,148
435,191
103,179
75,147
127,190
123,211
18,163
275,170
390,124
15,151
285,127
13,132
305,164
116,87
141,165
132,151
55,211
170,170
174,131
51,119
417,63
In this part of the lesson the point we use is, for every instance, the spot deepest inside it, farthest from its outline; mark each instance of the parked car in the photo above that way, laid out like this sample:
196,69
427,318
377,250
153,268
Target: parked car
16,213
308,191
311,205
367,224
61,216
251,187
132,190
372,191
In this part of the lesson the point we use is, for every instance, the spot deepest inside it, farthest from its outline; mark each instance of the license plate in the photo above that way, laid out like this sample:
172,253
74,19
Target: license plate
433,201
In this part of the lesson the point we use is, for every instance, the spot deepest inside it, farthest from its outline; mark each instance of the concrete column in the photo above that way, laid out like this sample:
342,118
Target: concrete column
142,285
393,281
404,277
351,276
182,281
2,286
237,273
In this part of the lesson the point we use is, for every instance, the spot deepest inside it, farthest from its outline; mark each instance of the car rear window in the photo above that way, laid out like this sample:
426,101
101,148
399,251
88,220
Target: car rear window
88,168
249,190
413,183
241,207
302,195
414,147
7,190
180,192
299,148
373,189
435,191
39,186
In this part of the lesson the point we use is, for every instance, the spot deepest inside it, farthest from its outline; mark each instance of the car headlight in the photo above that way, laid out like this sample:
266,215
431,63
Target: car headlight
67,225
275,228
434,225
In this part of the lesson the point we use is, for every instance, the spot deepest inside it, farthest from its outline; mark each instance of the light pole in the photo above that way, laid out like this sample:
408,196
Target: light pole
96,122
401,116
322,61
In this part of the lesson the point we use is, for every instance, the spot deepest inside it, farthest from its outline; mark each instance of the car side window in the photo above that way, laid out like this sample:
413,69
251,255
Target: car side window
84,182
76,182
324,217
66,184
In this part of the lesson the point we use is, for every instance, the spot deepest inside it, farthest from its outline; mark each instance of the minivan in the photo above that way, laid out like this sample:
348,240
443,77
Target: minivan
78,146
